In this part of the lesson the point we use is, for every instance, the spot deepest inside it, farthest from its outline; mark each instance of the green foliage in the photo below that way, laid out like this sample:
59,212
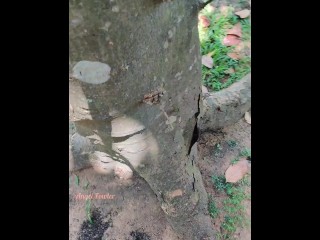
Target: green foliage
220,183
213,210
232,143
233,208
245,153
88,210
235,160
217,150
211,39
77,180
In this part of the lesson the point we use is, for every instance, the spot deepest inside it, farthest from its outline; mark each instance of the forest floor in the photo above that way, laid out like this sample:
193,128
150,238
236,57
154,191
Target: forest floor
230,203
129,210
225,37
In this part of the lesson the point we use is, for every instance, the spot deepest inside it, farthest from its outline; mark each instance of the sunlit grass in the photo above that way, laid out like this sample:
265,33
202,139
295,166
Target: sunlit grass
211,39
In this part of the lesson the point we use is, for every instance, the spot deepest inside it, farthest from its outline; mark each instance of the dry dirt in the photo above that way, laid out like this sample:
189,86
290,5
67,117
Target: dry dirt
215,161
133,213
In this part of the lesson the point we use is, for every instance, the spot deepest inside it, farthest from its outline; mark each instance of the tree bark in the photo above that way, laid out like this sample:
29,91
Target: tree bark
134,99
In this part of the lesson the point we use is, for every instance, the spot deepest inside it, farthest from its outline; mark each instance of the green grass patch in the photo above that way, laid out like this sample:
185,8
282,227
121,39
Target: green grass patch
211,39
232,143
88,210
217,151
233,209
213,210
245,153
235,160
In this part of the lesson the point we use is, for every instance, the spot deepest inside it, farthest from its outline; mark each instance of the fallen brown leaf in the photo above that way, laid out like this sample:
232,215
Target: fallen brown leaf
231,40
207,61
223,80
243,13
234,55
205,22
237,171
240,47
229,71
247,117
235,30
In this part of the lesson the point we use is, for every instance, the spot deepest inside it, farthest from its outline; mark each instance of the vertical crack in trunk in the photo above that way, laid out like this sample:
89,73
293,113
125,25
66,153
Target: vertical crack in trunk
195,134
194,139
193,183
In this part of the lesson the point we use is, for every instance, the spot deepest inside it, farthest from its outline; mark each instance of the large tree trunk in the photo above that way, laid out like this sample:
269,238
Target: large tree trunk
134,93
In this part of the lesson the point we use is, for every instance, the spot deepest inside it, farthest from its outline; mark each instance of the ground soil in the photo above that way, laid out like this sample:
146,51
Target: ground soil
215,161
134,212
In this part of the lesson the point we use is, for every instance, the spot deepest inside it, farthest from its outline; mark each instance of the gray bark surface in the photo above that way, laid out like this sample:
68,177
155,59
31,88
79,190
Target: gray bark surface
134,93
